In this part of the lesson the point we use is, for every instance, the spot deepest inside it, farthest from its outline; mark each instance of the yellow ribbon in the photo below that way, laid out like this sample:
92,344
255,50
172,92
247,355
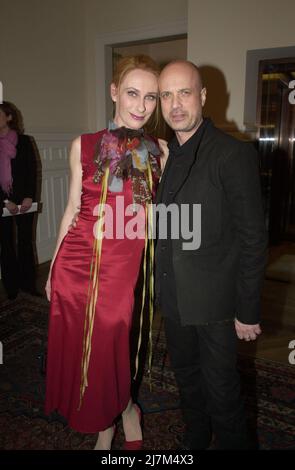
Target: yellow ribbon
149,242
93,287
94,284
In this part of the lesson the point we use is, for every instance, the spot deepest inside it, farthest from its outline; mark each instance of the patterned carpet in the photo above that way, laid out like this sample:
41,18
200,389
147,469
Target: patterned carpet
269,390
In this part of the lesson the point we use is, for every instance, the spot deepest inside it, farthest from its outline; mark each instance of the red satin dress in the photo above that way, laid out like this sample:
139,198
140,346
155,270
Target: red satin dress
108,390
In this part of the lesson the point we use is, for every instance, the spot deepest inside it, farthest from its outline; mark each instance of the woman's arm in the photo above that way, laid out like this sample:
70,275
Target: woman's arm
74,200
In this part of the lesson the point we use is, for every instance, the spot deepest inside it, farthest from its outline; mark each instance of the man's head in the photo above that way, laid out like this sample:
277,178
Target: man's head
182,98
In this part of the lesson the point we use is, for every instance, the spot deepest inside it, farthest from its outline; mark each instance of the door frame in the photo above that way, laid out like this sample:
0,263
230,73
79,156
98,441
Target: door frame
103,57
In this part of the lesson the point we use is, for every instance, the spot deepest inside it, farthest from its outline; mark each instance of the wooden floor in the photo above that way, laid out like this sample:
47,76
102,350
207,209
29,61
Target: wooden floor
278,313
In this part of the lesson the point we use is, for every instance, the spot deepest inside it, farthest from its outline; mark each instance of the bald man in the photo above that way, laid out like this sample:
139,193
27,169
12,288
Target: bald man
209,295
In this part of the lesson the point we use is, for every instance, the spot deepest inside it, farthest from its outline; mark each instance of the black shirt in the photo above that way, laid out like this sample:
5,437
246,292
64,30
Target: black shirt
165,279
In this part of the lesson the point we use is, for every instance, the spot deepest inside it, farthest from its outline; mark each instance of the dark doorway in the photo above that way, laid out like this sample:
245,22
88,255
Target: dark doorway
276,122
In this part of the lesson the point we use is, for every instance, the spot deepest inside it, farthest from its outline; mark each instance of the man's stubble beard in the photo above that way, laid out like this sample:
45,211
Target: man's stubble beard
190,128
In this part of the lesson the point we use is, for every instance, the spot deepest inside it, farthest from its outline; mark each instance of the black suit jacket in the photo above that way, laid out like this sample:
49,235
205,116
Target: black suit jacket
23,169
222,279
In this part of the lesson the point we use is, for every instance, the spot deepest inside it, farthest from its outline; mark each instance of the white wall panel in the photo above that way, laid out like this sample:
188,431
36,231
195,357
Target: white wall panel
54,173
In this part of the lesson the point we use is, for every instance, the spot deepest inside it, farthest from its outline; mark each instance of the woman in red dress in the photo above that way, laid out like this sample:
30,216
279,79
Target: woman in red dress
92,277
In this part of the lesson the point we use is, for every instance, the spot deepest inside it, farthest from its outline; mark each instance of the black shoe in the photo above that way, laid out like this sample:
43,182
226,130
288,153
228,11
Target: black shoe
182,447
187,444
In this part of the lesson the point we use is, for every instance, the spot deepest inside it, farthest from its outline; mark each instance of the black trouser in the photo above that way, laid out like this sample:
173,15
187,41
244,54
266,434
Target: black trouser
17,259
204,362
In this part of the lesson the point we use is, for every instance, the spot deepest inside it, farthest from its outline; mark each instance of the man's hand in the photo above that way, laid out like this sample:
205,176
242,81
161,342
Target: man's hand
165,153
75,219
13,209
26,204
247,332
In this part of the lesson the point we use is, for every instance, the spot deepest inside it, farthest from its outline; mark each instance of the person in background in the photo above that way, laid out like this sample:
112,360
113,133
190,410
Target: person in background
17,187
